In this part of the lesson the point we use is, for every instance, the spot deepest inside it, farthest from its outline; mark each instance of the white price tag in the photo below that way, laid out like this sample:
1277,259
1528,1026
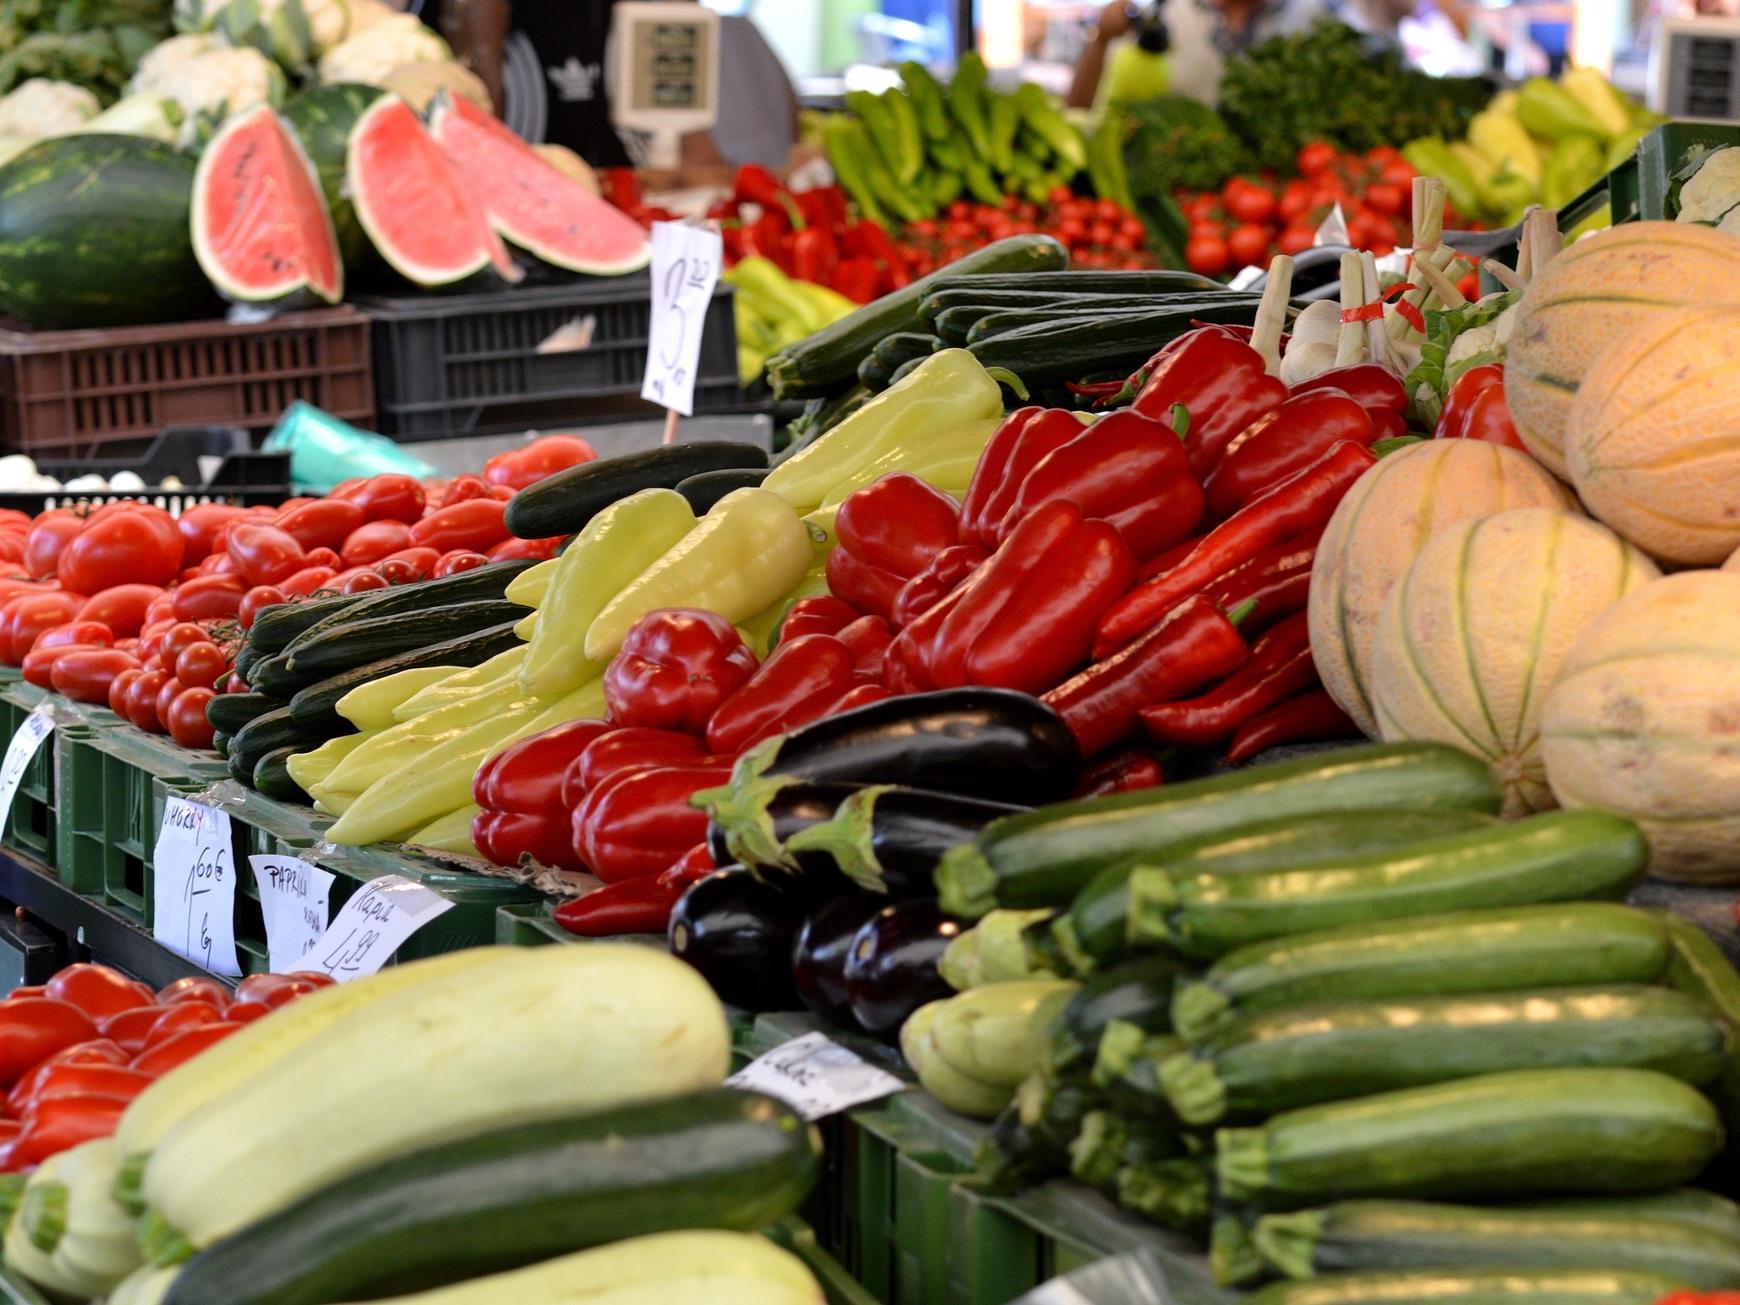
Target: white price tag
1333,229
816,1076
685,268
36,727
193,894
293,898
373,925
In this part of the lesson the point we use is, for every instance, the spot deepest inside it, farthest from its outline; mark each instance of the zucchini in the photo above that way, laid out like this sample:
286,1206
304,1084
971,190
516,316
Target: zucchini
707,488
826,361
1270,1061
1045,857
1560,856
1558,945
273,677
228,712
1455,1286
317,706
345,647
1137,993
1523,1133
1690,1207
718,1158
485,582
1001,321
1095,929
267,733
272,778
275,626
1356,1235
564,503
1696,966
1176,1193
1107,1143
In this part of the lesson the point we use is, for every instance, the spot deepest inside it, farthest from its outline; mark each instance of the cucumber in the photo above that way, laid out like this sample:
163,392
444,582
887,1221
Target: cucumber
268,733
1001,321
273,677
228,712
562,504
1516,1134
904,346
220,743
874,374
345,647
275,626
1095,928
1033,295
707,488
248,657
1515,1286
1073,346
1696,966
826,361
1137,993
316,706
1356,1235
1269,1061
1045,857
1082,282
485,582
718,1158
1558,945
272,777
1560,856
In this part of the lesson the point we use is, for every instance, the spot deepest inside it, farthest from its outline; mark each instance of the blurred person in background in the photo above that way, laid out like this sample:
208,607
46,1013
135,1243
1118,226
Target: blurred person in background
1197,37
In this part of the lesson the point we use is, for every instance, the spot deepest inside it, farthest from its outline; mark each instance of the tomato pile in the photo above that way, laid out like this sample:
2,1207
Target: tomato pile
128,606
1100,233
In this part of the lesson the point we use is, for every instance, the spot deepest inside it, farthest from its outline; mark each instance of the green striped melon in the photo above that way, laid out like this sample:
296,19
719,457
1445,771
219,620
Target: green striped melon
324,118
1590,295
1474,633
1381,526
1644,719
1654,446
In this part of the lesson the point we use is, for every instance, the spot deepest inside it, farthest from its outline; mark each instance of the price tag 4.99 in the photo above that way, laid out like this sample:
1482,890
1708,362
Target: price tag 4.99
193,894
685,268
36,727
293,896
373,925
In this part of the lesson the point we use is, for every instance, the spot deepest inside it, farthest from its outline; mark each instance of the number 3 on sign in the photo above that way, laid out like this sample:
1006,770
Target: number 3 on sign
193,892
685,268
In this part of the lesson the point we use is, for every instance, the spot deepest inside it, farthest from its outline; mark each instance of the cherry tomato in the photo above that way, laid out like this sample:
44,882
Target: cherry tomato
28,616
49,535
1386,198
369,544
1400,173
200,664
186,718
1248,244
92,634
121,608
136,545
199,527
141,701
395,497
118,689
306,581
397,571
166,694
260,596
324,523
178,639
1245,200
362,582
264,554
1296,238
233,683
475,523
1207,255
421,560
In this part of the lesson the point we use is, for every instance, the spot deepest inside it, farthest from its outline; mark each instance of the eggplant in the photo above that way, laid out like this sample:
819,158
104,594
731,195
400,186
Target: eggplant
819,952
892,968
737,931
888,839
760,843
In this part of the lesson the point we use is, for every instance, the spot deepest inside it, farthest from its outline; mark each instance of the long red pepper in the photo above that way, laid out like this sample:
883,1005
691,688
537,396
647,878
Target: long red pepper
1277,580
936,582
798,680
1280,665
1372,385
824,614
1128,771
640,905
1285,441
1299,505
1219,381
1311,717
1026,436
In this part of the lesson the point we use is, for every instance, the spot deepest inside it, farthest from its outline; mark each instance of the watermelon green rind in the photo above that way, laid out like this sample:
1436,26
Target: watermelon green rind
94,232
324,118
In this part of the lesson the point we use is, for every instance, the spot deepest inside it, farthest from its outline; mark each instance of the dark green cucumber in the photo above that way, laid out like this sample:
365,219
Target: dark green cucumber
1045,857
1034,295
826,361
220,743
1082,282
904,346
706,489
562,504
316,707
1516,948
480,1205
1531,1132
1073,346
1698,967
272,777
1269,1061
1002,321
1138,993
874,374
268,733
228,712
1457,1286
248,657
1362,1235
275,626
345,647
274,678
1095,929
486,582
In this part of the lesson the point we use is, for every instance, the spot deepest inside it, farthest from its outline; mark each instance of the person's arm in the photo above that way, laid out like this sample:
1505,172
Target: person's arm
1113,22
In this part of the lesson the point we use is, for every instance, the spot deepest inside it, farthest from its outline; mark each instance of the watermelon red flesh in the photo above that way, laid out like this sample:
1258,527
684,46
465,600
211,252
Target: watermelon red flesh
261,231
531,202
419,214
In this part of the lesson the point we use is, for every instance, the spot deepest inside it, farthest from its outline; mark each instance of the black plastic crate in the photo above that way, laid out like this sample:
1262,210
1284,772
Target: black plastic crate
470,364
244,477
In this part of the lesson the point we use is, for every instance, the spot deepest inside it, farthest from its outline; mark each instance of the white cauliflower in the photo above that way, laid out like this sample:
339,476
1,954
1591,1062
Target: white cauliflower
365,14
1491,339
1713,192
164,65
208,79
390,43
41,108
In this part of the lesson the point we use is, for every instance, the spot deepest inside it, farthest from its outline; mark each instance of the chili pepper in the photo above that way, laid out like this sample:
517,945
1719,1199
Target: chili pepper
507,838
1026,437
1475,409
1193,645
697,863
1371,385
640,821
1280,665
794,684
937,581
98,1051
527,777
57,1125
1128,771
1125,469
823,614
898,523
1164,562
104,1079
866,588
627,749
1283,442
641,905
130,1028
1220,381
867,639
754,184
1312,717
1300,505
33,1029
857,279
1277,580
852,156
675,668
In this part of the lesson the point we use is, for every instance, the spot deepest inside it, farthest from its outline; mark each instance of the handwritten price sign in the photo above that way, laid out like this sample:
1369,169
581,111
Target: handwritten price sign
293,896
36,727
193,893
373,925
816,1076
685,268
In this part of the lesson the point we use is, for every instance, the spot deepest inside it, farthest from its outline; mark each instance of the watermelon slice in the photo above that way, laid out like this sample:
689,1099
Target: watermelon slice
261,231
531,202
419,214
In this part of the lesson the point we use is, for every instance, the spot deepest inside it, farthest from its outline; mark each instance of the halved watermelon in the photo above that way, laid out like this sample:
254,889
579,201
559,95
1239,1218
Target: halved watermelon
419,214
261,231
323,118
532,202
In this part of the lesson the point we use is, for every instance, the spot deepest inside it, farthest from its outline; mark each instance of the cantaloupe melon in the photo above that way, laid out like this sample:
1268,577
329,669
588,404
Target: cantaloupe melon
1644,719
1380,528
1589,296
1654,440
1474,633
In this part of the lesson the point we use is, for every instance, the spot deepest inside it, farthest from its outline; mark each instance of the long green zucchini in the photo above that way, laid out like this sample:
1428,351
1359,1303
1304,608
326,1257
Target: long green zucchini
1474,1287
1356,1235
1138,994
1698,967
1074,346
719,1158
1045,857
1270,1061
564,503
1108,1143
1078,282
1559,945
1560,856
318,655
1517,1134
316,706
1690,1207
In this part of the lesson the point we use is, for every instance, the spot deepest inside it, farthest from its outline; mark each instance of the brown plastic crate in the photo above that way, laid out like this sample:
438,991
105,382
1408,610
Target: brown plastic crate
74,394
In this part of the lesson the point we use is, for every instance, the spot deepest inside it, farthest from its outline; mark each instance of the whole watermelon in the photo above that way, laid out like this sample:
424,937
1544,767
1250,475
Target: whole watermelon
94,232
324,118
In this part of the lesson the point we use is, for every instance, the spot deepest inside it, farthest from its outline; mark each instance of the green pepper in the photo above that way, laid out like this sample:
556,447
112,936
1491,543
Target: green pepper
1576,163
950,152
967,103
1003,119
1042,118
1430,156
847,145
1548,109
927,100
878,120
909,139
1105,160
981,183
945,188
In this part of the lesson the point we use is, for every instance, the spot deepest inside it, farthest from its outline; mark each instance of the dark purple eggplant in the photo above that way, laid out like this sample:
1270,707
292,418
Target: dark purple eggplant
892,968
888,839
819,952
737,931
759,842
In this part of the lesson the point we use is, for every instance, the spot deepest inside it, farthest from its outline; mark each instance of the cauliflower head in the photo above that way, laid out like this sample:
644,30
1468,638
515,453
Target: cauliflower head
40,107
161,68
1713,192
391,42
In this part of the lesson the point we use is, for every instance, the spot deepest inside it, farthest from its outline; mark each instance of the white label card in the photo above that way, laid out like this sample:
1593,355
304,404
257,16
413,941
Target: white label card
816,1076
293,897
373,925
35,728
193,893
685,268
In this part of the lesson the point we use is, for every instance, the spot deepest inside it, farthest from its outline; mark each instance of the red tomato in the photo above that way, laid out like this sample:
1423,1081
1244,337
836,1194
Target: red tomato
141,701
186,718
459,560
306,581
39,662
462,488
397,571
166,694
538,550
323,523
1296,238
264,554
195,989
369,544
92,634
28,616
260,596
1386,198
97,990
394,497
1207,255
1248,245
86,675
1315,158
1247,201
159,1057
420,561
322,557
200,664
475,523
49,535
210,597
137,545
362,582
121,608
118,690
1399,172
199,527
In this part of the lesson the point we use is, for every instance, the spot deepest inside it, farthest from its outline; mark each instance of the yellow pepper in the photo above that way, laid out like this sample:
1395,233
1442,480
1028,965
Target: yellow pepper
529,586
370,706
526,628
461,685
967,440
448,833
390,748
312,768
332,804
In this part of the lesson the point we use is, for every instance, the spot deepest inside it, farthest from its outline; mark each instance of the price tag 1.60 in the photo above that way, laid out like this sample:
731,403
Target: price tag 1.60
193,894
373,925
293,896
36,727
816,1076
685,268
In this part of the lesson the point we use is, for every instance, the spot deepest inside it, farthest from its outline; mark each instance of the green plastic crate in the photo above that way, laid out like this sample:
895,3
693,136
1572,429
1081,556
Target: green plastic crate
30,830
837,1284
1663,152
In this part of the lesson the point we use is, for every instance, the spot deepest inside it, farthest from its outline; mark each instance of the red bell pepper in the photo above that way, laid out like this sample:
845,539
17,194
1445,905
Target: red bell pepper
527,777
868,239
1125,469
888,532
1220,382
857,279
1277,580
675,668
1025,437
1280,666
936,582
823,205
1300,505
161,1057
509,838
754,184
1284,442
33,1028
1371,385
1193,645
825,614
868,638
57,1125
630,748
1312,717
1475,409
641,821
814,255
1129,771
906,665
640,905
99,1051
794,686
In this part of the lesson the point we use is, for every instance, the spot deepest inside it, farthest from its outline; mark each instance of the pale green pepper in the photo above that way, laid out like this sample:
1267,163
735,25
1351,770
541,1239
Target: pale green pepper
314,766
461,684
370,706
1549,110
529,586
1504,141
448,833
389,748
967,441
